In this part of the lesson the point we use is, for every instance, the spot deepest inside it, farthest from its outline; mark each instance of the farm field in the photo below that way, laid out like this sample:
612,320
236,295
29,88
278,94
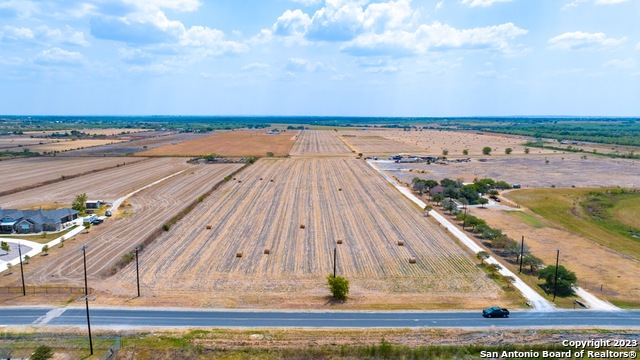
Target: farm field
599,258
17,141
374,142
319,142
65,145
232,143
106,185
140,140
531,171
253,213
19,173
147,211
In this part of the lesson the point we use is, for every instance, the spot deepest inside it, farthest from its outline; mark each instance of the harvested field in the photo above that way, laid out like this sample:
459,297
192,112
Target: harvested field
434,141
65,145
371,142
298,217
532,171
17,141
106,185
148,210
319,142
143,141
231,143
19,173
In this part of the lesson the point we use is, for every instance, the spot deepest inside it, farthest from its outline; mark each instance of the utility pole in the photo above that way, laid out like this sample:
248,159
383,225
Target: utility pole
86,295
555,281
521,254
24,290
137,271
335,255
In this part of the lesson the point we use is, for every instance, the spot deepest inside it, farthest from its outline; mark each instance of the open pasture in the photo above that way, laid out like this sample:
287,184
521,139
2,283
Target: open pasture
106,185
141,141
232,143
18,173
319,142
147,211
371,142
65,145
298,209
11,142
562,170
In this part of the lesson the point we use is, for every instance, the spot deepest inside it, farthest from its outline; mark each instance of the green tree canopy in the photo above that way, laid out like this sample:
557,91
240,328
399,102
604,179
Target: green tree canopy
338,286
80,203
566,278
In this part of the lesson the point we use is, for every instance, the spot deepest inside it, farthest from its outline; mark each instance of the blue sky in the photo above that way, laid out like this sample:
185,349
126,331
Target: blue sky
320,57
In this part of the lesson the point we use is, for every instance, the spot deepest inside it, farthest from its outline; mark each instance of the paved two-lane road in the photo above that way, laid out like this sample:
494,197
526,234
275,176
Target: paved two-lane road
170,318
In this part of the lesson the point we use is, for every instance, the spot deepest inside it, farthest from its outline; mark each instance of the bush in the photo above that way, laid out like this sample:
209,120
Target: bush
270,154
566,278
43,352
166,227
338,286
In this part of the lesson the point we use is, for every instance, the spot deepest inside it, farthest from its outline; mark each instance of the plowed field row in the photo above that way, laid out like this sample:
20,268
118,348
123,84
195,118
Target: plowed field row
148,211
24,172
106,185
253,215
369,142
319,142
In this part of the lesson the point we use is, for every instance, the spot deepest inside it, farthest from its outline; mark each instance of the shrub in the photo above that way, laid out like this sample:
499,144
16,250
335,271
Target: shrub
43,352
166,227
338,286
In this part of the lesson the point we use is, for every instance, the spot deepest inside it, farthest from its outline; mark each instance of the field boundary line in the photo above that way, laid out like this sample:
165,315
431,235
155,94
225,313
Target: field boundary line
539,303
66,177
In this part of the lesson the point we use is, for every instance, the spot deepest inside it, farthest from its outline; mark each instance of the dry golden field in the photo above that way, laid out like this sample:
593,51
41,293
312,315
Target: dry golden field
17,173
146,212
373,142
232,143
265,208
106,185
65,145
319,142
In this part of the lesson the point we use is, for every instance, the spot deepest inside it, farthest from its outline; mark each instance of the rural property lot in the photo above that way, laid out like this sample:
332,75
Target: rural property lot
335,199
319,142
106,185
232,143
143,141
563,170
65,145
148,210
19,173
372,142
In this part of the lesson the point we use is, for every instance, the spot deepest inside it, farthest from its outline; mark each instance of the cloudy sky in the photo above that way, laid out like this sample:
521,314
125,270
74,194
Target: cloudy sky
320,57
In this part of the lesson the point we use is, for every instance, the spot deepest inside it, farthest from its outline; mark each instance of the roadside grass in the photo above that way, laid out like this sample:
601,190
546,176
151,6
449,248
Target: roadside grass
42,238
626,211
570,209
526,218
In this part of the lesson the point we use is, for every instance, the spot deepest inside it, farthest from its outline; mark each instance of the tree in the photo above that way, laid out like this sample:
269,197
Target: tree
270,154
445,152
80,203
418,185
526,150
532,262
26,259
5,247
510,280
483,201
493,269
508,151
502,185
482,256
43,352
465,152
338,286
438,198
45,249
449,205
427,209
486,150
566,279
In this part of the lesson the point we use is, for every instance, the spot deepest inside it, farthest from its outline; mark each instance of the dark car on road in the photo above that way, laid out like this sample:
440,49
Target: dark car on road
495,312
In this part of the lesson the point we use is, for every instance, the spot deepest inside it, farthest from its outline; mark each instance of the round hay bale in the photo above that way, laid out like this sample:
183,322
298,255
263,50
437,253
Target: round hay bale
234,178
400,243
301,226
209,227
239,254
412,260
339,189
239,181
339,242
267,251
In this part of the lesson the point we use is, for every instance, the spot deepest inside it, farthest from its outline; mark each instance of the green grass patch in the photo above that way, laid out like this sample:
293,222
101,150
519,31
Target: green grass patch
586,212
42,238
526,218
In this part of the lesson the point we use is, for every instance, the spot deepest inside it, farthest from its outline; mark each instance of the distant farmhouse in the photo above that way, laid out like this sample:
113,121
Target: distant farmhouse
34,221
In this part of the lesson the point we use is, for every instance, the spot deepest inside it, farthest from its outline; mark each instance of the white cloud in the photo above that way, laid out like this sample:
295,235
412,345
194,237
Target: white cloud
622,64
178,5
212,41
12,33
576,3
255,67
291,23
439,5
57,56
482,3
486,74
303,65
580,40
307,2
44,35
436,36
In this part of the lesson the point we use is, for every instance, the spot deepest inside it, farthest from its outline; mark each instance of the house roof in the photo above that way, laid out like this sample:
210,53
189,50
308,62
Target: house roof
34,216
